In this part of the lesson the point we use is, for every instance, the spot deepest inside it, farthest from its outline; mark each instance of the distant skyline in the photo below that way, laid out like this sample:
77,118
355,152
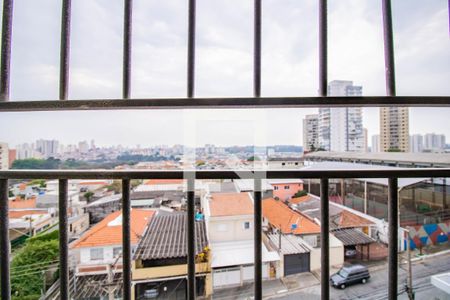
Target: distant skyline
223,67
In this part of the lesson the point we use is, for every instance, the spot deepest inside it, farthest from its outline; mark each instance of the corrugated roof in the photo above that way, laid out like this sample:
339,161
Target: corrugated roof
165,237
352,236
290,244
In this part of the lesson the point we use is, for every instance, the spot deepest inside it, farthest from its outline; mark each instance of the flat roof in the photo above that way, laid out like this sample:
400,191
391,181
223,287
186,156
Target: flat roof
290,244
405,157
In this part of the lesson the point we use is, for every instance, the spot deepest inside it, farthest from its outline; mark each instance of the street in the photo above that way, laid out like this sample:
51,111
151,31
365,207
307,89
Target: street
377,286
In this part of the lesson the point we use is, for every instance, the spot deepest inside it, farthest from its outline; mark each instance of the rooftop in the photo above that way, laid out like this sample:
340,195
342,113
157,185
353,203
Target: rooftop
290,244
166,237
280,215
352,236
109,230
230,204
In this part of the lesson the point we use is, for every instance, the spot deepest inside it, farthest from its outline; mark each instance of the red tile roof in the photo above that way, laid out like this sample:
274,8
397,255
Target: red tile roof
299,199
15,214
348,219
103,235
163,181
280,215
230,204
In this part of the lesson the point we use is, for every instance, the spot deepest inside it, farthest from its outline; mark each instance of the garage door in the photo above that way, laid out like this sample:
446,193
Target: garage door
224,277
296,263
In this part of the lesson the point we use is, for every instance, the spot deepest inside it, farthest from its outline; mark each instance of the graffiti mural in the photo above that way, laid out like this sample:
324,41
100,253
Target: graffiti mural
428,234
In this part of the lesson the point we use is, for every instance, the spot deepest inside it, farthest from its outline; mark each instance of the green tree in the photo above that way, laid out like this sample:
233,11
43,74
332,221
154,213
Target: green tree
88,196
394,150
300,194
253,158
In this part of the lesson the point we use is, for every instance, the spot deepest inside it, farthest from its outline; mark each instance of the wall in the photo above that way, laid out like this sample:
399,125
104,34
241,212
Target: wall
429,234
336,254
234,228
285,194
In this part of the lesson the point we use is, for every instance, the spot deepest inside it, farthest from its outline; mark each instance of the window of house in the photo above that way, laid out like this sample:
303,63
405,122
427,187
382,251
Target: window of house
286,187
246,225
275,187
97,254
117,251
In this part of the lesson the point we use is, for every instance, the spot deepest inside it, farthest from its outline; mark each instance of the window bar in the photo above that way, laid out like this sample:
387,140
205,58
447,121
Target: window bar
257,50
258,239
63,241
325,240
393,238
191,49
6,50
127,31
65,50
191,237
323,56
126,240
388,48
4,241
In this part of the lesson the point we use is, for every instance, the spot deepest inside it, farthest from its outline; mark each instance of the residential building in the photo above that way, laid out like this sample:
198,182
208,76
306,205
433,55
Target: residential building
375,143
340,129
27,222
229,222
160,260
434,142
12,155
416,143
4,156
394,129
25,151
285,189
366,140
310,132
48,148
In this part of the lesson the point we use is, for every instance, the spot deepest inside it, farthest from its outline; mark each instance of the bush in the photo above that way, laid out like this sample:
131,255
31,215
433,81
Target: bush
300,194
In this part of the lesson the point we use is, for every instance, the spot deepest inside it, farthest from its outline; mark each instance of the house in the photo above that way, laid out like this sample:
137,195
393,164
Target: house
24,223
285,189
229,222
299,232
100,248
160,260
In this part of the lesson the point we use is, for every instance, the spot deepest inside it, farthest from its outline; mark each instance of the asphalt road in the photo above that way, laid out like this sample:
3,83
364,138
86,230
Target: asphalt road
377,286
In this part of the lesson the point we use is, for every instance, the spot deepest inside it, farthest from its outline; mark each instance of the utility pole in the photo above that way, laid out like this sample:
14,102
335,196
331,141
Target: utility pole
410,285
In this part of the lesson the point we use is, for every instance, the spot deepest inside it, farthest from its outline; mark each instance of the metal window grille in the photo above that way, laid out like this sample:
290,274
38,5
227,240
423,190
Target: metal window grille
391,100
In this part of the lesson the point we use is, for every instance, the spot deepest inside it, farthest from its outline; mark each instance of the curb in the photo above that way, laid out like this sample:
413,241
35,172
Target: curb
423,257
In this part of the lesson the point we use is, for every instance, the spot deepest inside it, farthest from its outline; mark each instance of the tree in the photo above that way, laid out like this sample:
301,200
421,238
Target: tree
116,186
300,194
253,158
88,195
394,150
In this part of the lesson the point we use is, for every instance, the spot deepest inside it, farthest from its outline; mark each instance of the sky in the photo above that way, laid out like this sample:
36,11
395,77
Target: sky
223,67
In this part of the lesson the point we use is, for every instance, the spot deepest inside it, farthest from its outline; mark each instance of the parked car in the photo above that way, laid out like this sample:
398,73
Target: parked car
349,275
151,293
350,252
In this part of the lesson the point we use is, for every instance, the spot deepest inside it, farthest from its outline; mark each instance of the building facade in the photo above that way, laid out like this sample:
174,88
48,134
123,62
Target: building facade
434,142
375,143
394,129
416,143
4,156
340,129
310,132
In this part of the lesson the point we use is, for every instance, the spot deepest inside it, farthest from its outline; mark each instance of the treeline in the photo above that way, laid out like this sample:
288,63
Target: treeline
132,159
52,163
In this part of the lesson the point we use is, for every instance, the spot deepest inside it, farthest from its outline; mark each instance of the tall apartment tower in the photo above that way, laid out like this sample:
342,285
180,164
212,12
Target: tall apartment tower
394,129
416,143
434,142
48,148
310,132
340,129
375,143
4,156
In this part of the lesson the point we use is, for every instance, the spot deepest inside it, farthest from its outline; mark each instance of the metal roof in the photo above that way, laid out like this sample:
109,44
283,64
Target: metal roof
290,244
165,237
94,286
352,237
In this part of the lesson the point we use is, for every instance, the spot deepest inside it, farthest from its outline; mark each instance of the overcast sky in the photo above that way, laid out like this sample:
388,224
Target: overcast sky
223,66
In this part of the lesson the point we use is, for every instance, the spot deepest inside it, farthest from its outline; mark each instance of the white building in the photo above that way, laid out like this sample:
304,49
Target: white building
434,142
375,143
48,148
229,223
340,129
310,132
4,156
366,140
416,143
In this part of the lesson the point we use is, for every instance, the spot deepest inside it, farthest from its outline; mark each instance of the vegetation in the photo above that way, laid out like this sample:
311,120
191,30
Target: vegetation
254,158
30,263
88,196
394,150
300,194
40,182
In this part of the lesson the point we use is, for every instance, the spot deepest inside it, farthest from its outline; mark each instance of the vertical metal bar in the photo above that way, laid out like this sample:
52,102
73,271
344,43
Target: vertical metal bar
393,237
191,49
4,241
127,20
191,237
258,238
257,50
64,50
6,50
323,56
63,240
126,239
325,240
388,48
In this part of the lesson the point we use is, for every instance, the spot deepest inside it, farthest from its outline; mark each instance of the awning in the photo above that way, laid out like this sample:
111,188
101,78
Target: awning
238,253
352,237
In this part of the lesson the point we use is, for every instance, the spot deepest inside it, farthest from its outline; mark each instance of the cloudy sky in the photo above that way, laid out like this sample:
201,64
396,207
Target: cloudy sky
223,66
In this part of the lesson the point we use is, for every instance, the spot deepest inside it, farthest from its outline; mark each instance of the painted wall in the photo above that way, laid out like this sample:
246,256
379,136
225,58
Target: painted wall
429,234
285,191
225,229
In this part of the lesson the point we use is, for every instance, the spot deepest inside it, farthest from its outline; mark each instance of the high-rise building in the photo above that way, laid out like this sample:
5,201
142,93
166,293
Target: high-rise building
366,140
83,147
394,129
416,143
12,155
340,129
434,142
310,132
4,156
375,143
48,148
25,151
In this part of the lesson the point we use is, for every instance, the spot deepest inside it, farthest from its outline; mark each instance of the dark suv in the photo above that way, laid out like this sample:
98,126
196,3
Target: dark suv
349,275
